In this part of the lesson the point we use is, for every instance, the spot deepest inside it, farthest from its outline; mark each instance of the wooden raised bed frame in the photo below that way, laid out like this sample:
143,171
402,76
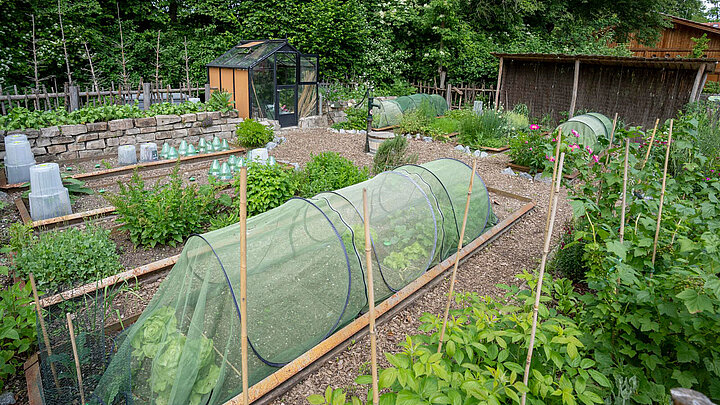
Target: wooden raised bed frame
526,169
276,384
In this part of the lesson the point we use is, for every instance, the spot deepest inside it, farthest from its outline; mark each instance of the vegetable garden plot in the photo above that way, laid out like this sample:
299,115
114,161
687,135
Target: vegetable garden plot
305,280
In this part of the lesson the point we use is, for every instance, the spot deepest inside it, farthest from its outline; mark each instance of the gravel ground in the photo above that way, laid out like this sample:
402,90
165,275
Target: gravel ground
519,248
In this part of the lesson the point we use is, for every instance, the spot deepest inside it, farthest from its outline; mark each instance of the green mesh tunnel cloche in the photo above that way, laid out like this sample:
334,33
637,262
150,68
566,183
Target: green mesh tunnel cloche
590,127
306,279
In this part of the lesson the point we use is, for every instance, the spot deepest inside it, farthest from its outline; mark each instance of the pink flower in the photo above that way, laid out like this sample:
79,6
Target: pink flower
550,158
574,132
596,158
530,148
588,149
534,126
554,140
526,141
707,178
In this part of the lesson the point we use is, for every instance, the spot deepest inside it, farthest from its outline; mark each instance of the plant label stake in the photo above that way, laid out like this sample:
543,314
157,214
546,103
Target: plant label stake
662,193
371,300
75,355
243,284
46,339
552,209
457,257
652,138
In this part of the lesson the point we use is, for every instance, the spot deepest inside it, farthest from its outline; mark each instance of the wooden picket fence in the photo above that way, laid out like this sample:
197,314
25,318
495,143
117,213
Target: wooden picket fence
458,95
74,97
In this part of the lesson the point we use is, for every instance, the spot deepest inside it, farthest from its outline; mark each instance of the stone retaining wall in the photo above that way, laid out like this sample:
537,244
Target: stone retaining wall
99,138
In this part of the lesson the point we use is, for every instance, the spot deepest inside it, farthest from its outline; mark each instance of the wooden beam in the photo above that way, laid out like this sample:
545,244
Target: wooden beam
72,218
24,215
497,89
576,77
696,85
702,85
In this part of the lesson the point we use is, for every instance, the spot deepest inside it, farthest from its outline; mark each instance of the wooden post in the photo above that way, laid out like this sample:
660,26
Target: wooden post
497,89
74,98
624,192
702,85
43,329
576,78
371,299
75,355
662,194
457,257
652,139
696,85
612,135
147,96
552,208
207,92
243,285
448,96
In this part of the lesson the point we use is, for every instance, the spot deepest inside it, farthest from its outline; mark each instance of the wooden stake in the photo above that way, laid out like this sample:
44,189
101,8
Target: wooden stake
662,194
624,192
555,168
46,339
75,355
371,300
243,284
652,139
538,291
457,257
612,136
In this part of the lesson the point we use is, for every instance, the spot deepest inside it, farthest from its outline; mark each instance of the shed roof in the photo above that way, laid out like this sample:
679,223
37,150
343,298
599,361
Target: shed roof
668,63
247,54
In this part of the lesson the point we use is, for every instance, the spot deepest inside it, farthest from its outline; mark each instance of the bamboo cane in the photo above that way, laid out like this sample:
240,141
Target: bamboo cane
652,139
46,338
457,257
75,356
243,284
624,192
555,168
612,136
371,300
546,250
662,194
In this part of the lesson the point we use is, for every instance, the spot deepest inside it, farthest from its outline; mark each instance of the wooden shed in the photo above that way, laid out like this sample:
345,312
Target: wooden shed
677,42
268,79
638,89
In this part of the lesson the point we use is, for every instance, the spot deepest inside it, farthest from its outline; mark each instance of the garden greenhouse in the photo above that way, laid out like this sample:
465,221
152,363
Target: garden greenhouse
306,267
268,79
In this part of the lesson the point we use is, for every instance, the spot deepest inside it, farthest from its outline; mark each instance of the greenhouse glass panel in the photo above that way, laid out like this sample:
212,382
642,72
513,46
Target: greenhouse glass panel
286,66
286,100
307,100
308,68
262,91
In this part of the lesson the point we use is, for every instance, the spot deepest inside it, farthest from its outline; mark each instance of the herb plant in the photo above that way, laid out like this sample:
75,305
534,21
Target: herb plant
17,328
61,259
329,171
164,214
267,187
253,134
356,119
391,154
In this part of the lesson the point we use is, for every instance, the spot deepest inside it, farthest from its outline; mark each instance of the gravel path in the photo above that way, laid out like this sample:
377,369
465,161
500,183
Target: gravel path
516,250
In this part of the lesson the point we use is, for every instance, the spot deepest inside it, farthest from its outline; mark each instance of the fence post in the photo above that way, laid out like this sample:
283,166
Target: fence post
207,92
448,95
74,98
147,96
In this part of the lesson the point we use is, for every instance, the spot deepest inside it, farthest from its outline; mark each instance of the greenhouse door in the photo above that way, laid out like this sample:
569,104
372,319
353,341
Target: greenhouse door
286,88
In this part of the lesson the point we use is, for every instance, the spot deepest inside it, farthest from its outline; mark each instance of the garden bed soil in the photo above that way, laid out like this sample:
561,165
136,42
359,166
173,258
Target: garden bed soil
526,169
518,249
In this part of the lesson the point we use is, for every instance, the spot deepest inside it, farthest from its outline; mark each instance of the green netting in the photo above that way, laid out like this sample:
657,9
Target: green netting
386,113
439,103
588,128
306,279
406,103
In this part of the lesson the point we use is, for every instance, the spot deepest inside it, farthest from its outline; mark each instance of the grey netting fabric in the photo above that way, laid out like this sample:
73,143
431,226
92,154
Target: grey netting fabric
306,279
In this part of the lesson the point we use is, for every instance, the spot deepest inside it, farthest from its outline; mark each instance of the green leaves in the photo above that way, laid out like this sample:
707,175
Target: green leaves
695,302
252,134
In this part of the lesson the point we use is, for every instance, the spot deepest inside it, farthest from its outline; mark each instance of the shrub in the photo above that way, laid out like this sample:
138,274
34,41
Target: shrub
413,122
356,119
391,154
267,187
329,171
529,149
164,214
61,259
489,129
253,134
220,101
568,260
17,329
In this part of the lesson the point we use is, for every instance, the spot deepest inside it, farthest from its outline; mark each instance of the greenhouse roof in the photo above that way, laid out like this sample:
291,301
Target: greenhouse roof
671,63
247,54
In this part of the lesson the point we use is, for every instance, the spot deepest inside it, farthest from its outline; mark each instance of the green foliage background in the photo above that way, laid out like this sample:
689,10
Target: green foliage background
366,39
